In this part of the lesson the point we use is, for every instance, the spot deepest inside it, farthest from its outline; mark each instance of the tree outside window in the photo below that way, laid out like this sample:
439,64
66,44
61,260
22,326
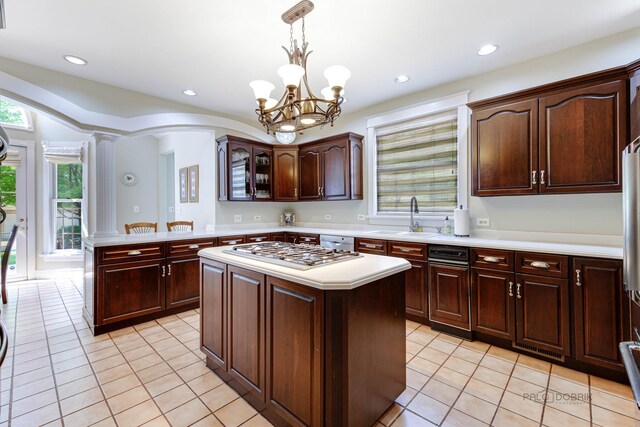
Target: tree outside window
13,115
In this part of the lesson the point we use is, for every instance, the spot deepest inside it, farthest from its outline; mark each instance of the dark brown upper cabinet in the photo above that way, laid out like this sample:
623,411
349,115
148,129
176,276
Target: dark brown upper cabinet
326,169
565,137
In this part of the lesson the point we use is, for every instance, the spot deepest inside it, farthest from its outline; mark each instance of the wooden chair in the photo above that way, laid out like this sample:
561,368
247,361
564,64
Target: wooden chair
141,227
180,226
4,264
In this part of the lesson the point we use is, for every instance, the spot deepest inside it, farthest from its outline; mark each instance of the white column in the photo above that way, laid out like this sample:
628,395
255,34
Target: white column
105,185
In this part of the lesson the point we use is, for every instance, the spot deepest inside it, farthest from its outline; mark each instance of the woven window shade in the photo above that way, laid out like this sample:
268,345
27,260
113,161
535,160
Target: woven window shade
62,154
418,158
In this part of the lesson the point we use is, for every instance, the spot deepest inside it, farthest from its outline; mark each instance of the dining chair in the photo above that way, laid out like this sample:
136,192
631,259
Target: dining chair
4,263
141,227
180,226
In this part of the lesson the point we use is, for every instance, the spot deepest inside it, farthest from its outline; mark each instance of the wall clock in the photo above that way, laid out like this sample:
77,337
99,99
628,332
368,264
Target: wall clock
129,178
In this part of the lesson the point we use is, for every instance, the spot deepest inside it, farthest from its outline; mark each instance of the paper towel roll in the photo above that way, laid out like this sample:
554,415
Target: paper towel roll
461,222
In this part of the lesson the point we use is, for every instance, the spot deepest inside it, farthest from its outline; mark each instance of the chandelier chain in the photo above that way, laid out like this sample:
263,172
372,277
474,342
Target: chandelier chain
291,38
303,39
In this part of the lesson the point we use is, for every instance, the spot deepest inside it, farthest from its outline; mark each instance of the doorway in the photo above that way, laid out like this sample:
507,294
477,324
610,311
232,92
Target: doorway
13,193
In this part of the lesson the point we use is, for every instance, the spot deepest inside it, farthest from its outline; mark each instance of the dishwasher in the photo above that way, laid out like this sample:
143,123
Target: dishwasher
337,242
449,289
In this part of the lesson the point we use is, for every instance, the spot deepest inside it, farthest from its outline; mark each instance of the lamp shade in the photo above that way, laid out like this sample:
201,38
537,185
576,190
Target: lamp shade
337,75
327,93
291,74
285,137
261,89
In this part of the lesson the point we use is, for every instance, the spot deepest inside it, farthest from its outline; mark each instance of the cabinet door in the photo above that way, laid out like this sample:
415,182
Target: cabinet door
183,281
240,183
294,363
335,171
504,146
262,175
277,237
286,175
600,318
582,133
213,311
130,290
291,237
246,320
310,179
542,313
449,295
356,169
492,303
222,171
634,106
416,289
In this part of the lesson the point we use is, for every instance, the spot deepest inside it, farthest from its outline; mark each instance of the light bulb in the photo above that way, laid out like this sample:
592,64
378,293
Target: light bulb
285,137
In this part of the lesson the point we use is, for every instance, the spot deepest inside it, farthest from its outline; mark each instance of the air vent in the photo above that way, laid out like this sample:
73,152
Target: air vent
535,350
2,21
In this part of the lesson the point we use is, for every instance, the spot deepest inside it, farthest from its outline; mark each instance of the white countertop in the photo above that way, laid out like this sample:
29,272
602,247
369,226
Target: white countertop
578,249
339,276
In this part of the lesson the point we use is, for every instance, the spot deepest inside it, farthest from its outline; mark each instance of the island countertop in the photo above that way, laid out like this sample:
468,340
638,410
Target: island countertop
343,275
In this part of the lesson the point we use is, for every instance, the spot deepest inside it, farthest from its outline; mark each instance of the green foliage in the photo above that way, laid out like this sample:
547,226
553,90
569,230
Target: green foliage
69,181
8,185
11,114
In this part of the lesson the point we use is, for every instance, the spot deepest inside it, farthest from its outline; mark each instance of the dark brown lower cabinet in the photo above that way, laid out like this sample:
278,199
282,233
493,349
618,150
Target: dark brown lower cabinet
601,316
277,237
416,290
246,326
129,290
213,320
493,303
291,237
295,372
449,295
183,284
542,313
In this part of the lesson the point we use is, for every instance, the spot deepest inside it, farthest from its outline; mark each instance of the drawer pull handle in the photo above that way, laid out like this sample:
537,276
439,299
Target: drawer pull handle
134,253
542,177
163,271
578,278
510,289
405,250
169,269
259,239
533,177
194,246
369,245
306,239
518,291
231,242
540,264
491,259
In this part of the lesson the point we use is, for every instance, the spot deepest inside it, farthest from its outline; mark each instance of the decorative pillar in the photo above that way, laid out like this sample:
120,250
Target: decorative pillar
105,185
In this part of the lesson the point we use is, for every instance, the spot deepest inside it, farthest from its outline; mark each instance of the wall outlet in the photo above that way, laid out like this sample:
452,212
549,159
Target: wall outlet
483,222
237,218
171,209
361,217
178,209
136,209
327,217
257,218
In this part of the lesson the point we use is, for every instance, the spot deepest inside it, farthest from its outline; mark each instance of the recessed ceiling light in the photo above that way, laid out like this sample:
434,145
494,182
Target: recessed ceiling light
189,92
401,79
487,49
76,60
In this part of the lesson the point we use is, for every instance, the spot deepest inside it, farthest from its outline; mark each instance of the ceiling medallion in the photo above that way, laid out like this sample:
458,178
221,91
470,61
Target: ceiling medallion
298,108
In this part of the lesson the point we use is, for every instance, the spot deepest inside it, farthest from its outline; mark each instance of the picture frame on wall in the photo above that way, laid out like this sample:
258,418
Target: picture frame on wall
184,185
194,184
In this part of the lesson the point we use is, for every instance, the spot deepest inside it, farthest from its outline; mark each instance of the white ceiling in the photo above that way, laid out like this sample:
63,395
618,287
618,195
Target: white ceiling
160,47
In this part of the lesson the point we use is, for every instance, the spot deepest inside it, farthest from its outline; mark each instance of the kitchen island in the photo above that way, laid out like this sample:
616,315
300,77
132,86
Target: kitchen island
317,347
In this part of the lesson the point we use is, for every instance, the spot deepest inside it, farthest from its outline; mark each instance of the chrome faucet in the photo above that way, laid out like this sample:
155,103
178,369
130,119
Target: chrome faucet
413,226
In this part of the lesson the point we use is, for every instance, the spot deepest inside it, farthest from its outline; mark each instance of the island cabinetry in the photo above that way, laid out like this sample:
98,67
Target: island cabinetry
417,307
301,355
601,315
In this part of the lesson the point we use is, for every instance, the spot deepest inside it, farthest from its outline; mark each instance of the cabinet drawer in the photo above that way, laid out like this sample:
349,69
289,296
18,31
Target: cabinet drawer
542,264
309,238
232,240
128,253
189,247
256,238
370,246
492,258
408,250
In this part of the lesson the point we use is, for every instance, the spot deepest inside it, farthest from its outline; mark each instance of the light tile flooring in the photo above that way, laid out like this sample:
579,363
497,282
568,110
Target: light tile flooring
56,373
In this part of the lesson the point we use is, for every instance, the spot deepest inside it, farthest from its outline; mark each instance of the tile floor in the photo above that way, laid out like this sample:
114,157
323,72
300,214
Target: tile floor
56,373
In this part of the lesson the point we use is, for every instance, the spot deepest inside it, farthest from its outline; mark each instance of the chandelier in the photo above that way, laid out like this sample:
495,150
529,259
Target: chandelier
298,108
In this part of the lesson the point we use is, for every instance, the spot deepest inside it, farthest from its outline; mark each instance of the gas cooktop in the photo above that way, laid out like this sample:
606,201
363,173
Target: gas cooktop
298,256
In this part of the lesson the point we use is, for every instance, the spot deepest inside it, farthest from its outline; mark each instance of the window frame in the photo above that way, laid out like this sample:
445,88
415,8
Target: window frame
454,102
54,211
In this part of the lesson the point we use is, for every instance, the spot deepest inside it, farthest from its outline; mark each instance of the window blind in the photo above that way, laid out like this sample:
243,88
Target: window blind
13,158
63,155
418,158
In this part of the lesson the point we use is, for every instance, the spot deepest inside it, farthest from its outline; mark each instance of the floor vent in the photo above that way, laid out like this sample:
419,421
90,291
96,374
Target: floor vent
539,351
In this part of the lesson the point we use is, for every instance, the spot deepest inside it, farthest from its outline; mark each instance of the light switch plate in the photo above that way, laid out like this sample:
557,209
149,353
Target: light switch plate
257,218
361,217
136,209
237,218
327,217
483,222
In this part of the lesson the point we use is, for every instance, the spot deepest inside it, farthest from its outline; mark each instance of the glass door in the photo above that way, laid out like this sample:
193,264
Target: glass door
240,173
263,168
13,189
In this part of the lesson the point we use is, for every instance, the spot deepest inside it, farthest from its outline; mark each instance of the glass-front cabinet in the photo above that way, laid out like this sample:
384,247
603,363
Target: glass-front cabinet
250,169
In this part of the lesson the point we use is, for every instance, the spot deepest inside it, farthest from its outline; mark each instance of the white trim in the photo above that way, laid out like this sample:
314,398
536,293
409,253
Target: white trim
457,101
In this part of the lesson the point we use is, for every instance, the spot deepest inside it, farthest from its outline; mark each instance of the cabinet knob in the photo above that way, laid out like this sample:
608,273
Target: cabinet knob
194,246
518,291
540,264
134,253
578,277
491,259
533,177
510,289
